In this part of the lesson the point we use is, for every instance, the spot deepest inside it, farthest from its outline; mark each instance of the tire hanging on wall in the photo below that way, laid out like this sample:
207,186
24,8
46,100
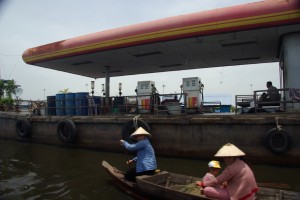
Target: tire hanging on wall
23,127
129,127
278,140
67,131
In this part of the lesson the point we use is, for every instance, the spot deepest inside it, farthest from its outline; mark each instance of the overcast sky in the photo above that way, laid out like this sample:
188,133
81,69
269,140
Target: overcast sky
30,23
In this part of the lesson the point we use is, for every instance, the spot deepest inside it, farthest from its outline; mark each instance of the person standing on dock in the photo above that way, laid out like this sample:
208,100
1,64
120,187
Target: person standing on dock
145,159
241,183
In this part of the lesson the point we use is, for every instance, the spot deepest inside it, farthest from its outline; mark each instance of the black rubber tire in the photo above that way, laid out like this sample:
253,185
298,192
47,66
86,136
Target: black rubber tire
23,127
67,131
278,140
128,128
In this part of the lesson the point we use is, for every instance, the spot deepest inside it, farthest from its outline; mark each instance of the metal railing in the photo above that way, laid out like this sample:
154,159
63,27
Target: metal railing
253,102
280,104
242,101
211,106
163,104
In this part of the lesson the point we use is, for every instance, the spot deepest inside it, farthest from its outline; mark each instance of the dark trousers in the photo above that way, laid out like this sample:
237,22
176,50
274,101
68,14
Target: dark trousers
131,174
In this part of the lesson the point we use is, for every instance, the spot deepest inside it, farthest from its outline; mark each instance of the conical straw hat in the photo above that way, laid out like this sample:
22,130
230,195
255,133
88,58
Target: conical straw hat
140,131
229,150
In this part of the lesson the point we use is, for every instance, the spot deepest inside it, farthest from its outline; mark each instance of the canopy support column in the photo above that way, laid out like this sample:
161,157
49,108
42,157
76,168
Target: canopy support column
290,60
107,85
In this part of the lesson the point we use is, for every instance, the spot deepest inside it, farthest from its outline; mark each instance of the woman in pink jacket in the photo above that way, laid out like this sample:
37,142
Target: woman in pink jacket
241,183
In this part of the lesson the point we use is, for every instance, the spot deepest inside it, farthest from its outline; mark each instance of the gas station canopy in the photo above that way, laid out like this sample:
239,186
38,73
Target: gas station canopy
243,34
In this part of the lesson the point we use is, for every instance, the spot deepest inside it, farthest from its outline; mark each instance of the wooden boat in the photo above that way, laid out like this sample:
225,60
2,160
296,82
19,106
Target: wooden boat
171,186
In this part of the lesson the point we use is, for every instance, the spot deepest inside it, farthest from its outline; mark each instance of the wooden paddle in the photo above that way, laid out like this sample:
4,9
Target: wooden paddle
127,157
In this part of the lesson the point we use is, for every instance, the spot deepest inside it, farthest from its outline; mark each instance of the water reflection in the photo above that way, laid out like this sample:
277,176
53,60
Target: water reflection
33,171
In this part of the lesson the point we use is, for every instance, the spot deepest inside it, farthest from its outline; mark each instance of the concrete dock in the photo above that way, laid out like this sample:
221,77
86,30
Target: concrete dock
266,138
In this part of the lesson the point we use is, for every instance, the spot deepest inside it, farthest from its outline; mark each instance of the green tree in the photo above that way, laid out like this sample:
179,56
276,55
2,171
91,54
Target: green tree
64,91
10,88
6,91
2,88
232,108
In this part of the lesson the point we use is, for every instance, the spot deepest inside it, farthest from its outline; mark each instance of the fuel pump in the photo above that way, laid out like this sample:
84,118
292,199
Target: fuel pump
193,90
145,90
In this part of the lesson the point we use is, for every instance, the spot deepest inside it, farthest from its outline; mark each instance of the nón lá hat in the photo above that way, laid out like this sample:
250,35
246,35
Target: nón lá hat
140,131
229,150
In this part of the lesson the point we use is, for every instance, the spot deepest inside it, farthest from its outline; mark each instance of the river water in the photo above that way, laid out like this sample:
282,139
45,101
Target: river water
35,171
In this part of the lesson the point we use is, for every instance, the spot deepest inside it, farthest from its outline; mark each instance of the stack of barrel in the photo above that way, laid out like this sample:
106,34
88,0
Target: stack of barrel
70,104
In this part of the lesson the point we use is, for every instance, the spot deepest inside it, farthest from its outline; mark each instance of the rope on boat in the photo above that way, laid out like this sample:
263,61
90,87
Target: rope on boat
135,121
279,127
131,126
277,139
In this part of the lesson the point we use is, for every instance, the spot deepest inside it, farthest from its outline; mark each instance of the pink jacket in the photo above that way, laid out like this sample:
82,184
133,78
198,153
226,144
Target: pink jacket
240,179
208,176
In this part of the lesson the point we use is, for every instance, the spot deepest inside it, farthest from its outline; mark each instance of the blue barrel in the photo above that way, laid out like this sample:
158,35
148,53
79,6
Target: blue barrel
51,105
97,101
70,104
81,102
60,104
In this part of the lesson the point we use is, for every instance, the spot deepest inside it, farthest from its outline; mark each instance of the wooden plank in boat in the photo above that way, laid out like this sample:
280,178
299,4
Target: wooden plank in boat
159,186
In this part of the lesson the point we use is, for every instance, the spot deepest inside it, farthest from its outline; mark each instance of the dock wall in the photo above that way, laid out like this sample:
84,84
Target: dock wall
194,136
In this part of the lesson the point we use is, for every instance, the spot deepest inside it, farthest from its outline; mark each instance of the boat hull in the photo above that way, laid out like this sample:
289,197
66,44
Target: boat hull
168,186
